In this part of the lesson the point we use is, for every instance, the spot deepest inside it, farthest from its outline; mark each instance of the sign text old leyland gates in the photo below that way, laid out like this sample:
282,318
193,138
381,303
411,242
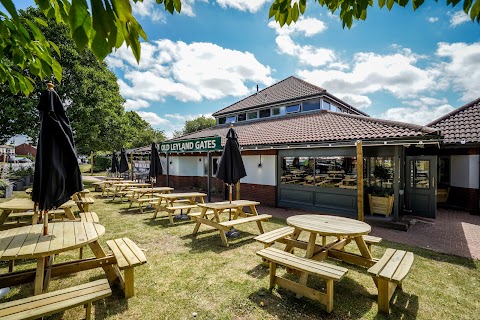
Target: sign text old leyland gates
197,145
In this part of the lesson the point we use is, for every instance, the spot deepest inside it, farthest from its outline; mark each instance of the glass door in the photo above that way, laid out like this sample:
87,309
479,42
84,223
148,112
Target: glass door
421,185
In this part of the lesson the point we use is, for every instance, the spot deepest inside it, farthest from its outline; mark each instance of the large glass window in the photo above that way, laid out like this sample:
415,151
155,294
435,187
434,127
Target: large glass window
231,119
311,105
264,113
222,120
241,117
325,105
444,171
252,115
381,172
329,172
419,170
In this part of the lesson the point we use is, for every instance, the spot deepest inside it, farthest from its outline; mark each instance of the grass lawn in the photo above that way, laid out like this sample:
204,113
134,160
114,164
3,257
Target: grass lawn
186,275
85,168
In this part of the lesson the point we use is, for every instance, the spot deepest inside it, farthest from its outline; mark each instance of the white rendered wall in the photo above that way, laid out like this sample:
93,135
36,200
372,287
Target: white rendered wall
264,175
464,171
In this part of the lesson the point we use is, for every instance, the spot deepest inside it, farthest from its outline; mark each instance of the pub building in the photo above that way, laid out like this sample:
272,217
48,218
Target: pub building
304,148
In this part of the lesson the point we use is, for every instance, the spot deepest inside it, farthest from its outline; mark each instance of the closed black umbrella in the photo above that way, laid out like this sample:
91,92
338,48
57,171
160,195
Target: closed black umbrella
231,168
114,168
57,174
155,165
123,161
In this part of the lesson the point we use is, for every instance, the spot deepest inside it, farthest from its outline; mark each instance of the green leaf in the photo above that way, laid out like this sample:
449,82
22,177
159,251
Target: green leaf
303,6
80,23
272,11
100,47
55,47
381,3
123,9
169,6
475,11
178,5
417,3
466,5
38,35
295,12
99,19
135,44
390,4
41,22
57,70
8,4
43,4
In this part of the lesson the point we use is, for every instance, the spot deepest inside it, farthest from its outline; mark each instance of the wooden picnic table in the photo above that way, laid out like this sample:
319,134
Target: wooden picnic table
28,242
24,204
344,229
123,188
185,200
146,195
239,216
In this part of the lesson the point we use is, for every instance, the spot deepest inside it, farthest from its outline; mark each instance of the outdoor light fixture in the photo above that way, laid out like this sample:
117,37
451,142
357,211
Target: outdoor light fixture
463,141
308,146
200,159
384,142
260,162
329,144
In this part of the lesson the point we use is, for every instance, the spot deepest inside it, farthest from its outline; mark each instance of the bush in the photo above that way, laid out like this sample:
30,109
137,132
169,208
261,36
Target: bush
101,163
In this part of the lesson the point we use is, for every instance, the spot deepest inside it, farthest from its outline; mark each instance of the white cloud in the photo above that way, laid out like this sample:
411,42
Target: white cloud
458,18
152,118
187,8
136,104
432,19
242,5
395,73
186,117
421,116
355,100
461,70
306,26
307,55
188,72
150,9
426,101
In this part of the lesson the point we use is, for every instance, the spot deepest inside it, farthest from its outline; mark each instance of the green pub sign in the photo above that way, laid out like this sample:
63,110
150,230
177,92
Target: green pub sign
196,145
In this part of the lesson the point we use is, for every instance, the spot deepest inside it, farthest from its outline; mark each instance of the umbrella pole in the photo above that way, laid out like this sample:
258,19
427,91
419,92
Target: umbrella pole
230,198
45,222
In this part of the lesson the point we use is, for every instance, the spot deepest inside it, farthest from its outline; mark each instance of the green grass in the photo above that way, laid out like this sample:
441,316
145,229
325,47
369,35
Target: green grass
186,275
85,168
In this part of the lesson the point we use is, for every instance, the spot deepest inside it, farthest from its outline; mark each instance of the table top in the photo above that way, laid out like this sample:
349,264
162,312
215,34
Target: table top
27,204
151,190
28,242
329,225
182,195
228,205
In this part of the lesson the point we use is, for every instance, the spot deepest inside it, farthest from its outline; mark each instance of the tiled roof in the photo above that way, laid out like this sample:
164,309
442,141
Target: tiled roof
460,124
323,126
285,90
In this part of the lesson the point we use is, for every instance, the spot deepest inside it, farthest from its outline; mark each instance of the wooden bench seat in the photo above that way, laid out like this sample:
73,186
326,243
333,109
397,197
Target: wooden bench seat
171,210
89,217
388,273
371,240
57,301
128,256
231,223
142,201
197,214
269,238
323,270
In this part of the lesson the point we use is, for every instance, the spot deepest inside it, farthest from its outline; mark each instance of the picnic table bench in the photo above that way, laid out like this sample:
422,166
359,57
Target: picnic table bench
57,301
388,274
89,217
83,201
146,195
326,271
171,201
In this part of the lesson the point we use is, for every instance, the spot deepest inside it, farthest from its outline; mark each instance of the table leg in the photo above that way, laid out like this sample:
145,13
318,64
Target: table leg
202,215
112,271
69,213
48,273
362,246
295,235
308,254
39,276
4,216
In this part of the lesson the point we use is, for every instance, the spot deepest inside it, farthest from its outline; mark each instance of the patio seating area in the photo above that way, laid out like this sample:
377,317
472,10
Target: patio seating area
189,274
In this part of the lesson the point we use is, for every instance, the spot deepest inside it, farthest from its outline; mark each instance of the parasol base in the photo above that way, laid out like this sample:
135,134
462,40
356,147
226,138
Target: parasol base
232,233
182,216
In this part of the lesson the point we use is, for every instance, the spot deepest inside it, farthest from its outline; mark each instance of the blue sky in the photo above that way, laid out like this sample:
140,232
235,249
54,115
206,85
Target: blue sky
400,64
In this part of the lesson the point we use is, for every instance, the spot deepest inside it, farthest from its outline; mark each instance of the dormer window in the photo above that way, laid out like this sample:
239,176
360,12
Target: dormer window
252,115
311,105
325,105
241,117
231,119
278,111
265,113
293,109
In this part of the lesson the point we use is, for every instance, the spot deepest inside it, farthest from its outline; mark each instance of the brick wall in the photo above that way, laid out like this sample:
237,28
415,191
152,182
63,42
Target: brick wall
264,194
465,198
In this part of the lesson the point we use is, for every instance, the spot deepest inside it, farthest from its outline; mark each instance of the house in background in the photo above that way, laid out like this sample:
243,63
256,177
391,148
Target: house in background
26,149
6,152
459,156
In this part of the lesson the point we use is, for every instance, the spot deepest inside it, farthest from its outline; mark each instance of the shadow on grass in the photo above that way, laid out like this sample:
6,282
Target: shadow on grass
259,272
112,305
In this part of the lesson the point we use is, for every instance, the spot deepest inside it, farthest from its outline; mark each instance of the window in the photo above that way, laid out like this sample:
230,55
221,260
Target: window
252,115
419,170
325,105
231,119
242,117
311,105
328,172
334,108
444,171
214,166
381,172
278,111
292,109
221,120
264,113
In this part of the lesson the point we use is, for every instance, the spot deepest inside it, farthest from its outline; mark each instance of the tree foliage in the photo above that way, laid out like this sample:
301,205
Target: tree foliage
195,125
285,13
90,93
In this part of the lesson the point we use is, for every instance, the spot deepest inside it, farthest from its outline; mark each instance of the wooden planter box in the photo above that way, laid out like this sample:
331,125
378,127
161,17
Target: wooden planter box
380,205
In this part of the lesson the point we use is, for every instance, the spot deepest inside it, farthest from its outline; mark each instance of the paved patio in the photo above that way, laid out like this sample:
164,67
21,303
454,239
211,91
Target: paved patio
452,232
